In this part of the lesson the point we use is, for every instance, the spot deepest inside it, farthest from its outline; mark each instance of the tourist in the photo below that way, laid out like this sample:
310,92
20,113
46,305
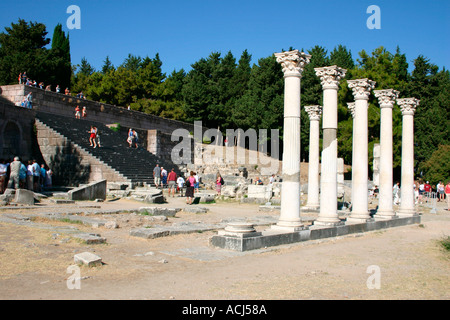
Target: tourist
23,176
36,175
440,188
447,195
163,177
99,144
135,138
48,87
197,182
58,89
427,189
20,78
180,184
396,193
157,175
172,179
3,171
272,179
219,183
43,176
92,137
77,112
258,181
41,85
29,103
14,180
48,178
67,91
190,182
24,78
130,138
84,112
30,176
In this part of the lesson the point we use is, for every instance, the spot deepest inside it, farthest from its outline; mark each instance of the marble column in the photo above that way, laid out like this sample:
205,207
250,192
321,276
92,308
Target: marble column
360,166
314,113
386,100
408,107
330,77
292,63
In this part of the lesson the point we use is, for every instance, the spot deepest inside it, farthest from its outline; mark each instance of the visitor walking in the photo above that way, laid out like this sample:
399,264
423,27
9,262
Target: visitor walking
130,138
29,100
14,180
157,175
396,193
84,112
190,182
97,134
163,177
135,138
197,182
172,180
219,183
77,112
92,137
180,185
440,188
36,175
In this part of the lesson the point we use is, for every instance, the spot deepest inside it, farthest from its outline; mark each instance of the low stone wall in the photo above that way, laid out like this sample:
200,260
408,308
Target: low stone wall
92,191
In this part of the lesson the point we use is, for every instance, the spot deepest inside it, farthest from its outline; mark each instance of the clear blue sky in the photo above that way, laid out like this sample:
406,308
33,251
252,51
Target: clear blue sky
182,32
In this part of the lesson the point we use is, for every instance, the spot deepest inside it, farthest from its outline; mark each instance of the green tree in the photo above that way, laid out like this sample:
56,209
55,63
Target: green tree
23,49
60,58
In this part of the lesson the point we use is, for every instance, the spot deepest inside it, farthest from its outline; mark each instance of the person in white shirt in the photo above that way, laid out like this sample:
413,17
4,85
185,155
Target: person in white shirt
180,184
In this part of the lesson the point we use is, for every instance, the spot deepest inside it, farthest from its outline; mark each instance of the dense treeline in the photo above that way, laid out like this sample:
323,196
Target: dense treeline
224,91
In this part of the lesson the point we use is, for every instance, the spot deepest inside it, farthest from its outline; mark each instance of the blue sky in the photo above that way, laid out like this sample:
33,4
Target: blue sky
182,32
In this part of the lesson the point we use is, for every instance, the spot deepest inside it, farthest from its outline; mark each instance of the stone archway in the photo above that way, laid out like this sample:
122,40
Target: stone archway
12,137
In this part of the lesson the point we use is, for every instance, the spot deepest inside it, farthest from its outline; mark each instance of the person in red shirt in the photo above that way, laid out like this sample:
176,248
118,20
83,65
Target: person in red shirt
427,189
171,180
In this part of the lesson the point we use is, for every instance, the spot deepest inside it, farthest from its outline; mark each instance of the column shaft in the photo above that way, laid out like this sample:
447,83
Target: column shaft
292,63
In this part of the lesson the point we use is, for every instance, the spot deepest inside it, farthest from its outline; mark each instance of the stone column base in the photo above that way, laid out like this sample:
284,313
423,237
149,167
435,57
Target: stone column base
352,220
325,223
287,228
385,215
406,213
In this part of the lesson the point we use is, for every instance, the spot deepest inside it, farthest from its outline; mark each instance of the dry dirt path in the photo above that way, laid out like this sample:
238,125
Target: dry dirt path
410,260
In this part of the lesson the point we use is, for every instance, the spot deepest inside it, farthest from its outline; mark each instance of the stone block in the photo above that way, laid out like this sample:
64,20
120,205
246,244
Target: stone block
24,196
88,258
92,191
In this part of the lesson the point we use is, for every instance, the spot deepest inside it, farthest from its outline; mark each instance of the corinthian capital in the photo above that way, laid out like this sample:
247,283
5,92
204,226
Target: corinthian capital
314,112
351,108
408,105
386,98
330,76
293,62
361,88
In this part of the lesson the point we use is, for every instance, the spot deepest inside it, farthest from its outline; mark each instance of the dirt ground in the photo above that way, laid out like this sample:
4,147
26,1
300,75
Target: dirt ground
34,261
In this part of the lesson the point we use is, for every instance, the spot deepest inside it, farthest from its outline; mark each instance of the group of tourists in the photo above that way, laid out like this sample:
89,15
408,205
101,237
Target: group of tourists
133,138
80,113
16,175
176,183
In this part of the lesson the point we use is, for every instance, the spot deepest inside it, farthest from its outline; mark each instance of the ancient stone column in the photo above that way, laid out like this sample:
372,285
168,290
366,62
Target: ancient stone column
314,113
408,107
360,166
292,63
330,77
386,99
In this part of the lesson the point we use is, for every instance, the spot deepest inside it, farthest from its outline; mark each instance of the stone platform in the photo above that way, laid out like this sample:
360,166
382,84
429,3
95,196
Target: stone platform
268,238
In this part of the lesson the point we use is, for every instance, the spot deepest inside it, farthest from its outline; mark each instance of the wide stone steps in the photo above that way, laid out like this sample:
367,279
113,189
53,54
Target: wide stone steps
134,164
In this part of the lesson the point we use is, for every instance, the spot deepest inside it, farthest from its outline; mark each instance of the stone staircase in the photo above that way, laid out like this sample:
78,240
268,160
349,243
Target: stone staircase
136,165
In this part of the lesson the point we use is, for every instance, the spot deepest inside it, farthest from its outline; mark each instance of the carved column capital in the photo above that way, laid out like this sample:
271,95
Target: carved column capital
408,105
330,76
361,88
314,112
386,98
351,108
293,62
